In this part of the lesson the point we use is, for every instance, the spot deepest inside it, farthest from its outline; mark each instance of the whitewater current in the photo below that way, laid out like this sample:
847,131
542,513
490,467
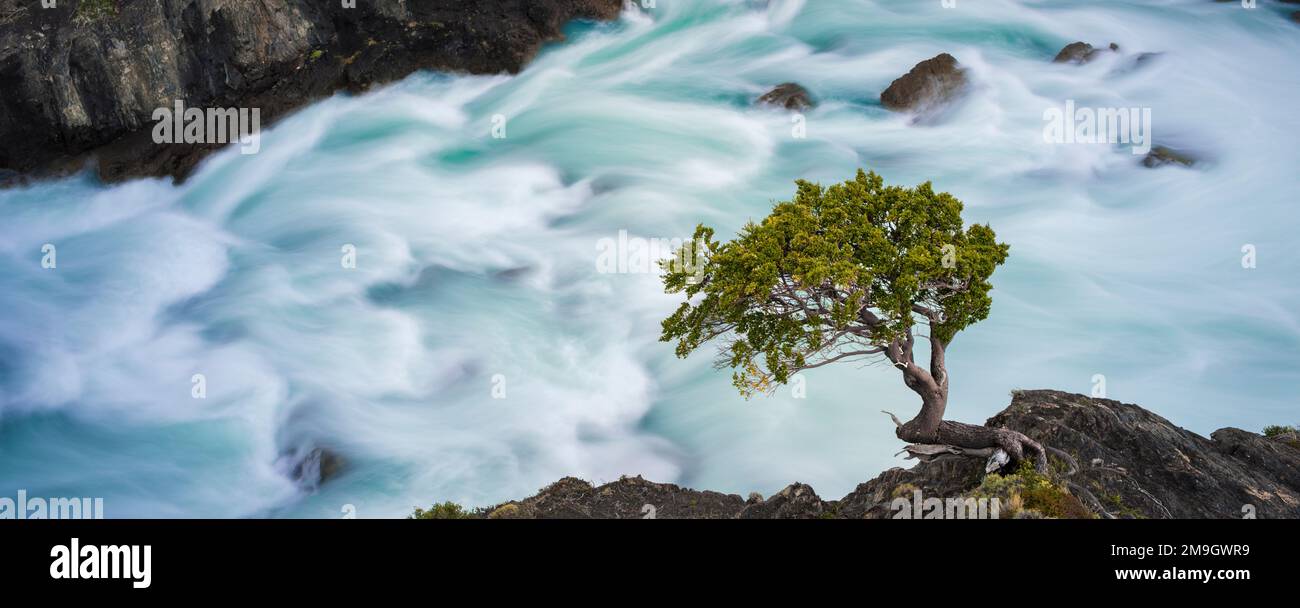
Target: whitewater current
475,352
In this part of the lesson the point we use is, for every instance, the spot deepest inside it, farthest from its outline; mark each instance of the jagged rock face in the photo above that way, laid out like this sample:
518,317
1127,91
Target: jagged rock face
942,479
1130,463
796,501
929,85
1136,463
74,79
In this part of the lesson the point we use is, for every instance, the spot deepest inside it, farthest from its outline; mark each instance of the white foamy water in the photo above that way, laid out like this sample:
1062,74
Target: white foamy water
476,261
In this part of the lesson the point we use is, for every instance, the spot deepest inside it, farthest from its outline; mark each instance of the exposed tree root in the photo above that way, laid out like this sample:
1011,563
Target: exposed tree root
958,439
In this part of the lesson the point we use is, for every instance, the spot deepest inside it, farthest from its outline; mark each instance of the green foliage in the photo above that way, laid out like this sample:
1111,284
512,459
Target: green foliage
509,510
789,293
443,510
1277,430
1030,494
1289,435
1115,504
90,10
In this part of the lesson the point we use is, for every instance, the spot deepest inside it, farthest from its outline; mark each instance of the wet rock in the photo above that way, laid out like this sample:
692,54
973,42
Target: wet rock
315,467
789,95
1144,58
513,274
930,84
72,82
1137,62
1081,52
1160,156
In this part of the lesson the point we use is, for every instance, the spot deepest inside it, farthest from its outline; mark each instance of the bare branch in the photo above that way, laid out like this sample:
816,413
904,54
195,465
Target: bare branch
856,353
897,422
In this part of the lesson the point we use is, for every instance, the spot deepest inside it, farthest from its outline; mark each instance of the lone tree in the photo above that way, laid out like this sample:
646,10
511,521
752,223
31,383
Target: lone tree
844,274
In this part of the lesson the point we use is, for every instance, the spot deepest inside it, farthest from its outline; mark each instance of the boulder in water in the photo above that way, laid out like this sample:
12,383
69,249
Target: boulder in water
1081,52
788,95
316,467
1160,156
930,84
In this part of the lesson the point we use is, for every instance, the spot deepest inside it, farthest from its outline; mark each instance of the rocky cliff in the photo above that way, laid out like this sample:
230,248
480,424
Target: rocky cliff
85,76
1114,460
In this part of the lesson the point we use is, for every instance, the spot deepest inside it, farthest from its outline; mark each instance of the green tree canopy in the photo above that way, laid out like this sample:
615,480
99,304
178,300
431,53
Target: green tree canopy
838,273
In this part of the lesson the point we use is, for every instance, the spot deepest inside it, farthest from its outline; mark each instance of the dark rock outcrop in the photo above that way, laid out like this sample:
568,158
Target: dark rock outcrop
627,498
788,95
796,501
1127,462
1081,52
929,85
86,76
1135,462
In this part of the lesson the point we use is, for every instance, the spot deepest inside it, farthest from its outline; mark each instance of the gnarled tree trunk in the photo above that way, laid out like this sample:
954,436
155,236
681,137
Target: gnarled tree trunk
929,429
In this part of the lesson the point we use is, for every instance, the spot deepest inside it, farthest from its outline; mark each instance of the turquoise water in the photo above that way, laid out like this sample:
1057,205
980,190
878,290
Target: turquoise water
476,265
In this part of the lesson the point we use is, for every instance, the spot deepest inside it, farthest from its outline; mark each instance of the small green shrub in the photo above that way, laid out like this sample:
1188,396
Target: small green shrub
442,510
1028,494
1053,501
1116,504
1289,435
509,510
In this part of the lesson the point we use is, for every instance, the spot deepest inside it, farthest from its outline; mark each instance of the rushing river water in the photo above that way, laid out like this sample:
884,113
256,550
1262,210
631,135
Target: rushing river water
476,272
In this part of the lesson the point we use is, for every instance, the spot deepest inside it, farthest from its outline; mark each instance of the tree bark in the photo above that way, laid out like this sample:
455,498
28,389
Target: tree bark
1017,446
929,427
